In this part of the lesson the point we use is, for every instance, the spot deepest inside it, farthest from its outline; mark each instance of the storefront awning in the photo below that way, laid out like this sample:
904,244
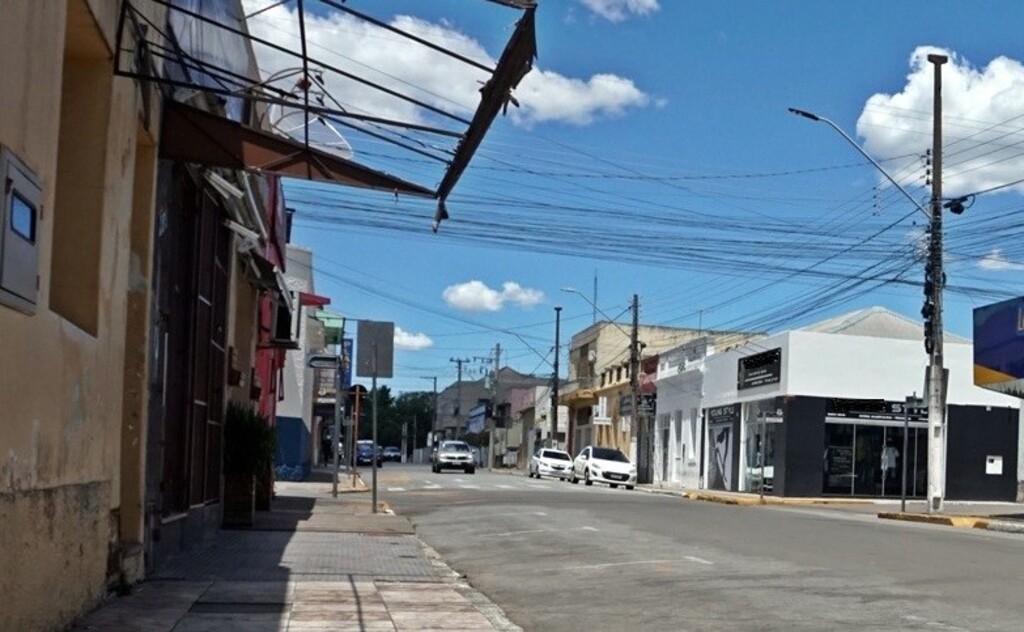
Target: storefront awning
193,135
313,300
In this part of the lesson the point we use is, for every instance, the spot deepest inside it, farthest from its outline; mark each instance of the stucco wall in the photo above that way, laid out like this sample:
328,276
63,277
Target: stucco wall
60,387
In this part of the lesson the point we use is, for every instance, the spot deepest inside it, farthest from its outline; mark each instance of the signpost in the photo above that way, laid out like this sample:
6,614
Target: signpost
375,344
336,363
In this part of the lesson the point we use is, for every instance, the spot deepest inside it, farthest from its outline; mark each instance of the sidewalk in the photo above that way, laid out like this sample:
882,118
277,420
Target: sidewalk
312,563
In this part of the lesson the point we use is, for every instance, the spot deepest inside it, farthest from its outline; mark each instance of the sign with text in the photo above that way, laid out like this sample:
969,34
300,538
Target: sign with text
999,347
375,346
759,369
346,363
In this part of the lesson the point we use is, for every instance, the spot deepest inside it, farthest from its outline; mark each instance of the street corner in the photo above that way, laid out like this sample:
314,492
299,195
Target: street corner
959,522
725,499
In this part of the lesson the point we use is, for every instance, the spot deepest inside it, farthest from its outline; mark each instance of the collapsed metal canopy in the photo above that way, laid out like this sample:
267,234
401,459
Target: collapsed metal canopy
291,121
193,135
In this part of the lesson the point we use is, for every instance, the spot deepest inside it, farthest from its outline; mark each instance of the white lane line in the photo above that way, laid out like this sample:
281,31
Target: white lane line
504,486
531,531
512,513
469,487
460,480
698,560
611,564
396,489
432,486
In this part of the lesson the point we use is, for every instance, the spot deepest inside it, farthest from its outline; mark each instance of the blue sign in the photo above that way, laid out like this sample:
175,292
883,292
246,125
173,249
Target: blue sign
999,347
346,360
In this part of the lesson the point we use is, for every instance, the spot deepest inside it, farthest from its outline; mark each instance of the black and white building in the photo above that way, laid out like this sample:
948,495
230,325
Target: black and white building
821,411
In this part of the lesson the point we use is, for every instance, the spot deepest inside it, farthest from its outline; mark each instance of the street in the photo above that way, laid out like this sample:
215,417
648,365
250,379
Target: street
557,556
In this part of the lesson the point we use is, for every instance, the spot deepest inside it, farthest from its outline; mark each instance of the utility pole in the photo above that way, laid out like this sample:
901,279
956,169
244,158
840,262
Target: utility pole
458,387
494,406
642,438
414,429
932,311
554,380
336,430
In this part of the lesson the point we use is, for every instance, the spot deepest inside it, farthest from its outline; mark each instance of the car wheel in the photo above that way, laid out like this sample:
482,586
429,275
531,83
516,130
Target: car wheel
630,486
471,470
613,485
586,477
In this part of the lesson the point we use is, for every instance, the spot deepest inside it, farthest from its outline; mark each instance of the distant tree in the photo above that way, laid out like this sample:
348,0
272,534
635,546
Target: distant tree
395,412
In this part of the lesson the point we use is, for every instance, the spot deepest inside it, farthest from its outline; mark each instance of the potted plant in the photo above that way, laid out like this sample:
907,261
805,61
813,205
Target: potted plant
249,445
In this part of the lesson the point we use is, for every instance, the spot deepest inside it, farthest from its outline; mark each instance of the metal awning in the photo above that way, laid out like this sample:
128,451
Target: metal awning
203,55
193,135
264,271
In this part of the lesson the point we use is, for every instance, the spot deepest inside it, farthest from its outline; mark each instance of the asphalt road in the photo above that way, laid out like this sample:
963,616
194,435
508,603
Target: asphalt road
558,556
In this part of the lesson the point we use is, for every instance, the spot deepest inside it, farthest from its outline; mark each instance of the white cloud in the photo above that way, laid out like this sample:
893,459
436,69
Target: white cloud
549,96
476,296
983,124
619,10
396,63
413,342
996,260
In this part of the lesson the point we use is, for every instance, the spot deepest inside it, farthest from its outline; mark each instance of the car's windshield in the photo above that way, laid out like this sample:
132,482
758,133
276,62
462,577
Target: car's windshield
455,447
555,454
609,454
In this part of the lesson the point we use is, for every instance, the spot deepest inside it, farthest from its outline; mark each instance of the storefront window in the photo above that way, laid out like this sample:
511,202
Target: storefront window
867,459
760,454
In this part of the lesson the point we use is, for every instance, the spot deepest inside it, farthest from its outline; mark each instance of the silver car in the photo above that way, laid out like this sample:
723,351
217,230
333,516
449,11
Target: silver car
454,455
551,462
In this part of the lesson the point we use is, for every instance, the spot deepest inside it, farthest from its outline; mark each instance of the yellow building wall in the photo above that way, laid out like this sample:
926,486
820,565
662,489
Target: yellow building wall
61,388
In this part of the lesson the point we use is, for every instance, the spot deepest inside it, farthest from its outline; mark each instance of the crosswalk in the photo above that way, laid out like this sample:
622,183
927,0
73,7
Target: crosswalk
462,484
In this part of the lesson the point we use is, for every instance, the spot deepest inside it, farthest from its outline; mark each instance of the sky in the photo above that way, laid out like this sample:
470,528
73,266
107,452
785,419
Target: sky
650,148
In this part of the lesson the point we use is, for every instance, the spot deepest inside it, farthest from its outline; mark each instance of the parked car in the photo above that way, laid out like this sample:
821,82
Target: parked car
366,451
551,462
603,465
393,453
454,455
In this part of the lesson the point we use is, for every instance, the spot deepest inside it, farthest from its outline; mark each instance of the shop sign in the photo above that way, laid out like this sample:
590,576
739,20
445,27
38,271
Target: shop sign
759,369
875,409
729,413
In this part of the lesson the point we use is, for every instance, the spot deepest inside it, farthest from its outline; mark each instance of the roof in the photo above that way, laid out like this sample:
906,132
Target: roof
876,322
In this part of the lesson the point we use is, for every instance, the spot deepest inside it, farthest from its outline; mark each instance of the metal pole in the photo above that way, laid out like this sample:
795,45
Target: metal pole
336,436
763,450
355,437
936,392
554,382
906,442
373,451
336,431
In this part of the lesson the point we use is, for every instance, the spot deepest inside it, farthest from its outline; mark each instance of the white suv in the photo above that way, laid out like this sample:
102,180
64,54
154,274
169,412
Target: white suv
454,455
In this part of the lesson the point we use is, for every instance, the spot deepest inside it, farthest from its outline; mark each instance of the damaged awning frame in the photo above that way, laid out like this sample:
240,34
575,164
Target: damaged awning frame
241,146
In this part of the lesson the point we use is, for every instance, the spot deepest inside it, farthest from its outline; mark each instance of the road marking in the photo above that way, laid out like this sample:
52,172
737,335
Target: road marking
504,486
460,480
469,487
698,560
531,531
432,486
611,564
396,489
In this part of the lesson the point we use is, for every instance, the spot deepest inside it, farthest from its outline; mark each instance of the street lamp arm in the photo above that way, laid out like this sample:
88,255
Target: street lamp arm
599,310
822,119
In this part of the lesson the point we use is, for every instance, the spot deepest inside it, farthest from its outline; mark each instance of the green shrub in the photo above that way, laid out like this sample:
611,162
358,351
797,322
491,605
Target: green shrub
249,441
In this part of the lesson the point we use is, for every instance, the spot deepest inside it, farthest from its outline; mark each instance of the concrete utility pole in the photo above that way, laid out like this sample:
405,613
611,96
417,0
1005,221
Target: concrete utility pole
932,311
494,407
338,410
553,414
643,453
458,387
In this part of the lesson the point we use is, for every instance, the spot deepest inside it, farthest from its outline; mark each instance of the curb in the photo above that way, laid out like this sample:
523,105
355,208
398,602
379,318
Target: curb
960,522
490,610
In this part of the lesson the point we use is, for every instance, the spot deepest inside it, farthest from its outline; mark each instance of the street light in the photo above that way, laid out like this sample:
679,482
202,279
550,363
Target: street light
822,119
571,290
934,282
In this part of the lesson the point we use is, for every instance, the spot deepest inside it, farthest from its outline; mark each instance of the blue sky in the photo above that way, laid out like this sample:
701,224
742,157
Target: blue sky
653,148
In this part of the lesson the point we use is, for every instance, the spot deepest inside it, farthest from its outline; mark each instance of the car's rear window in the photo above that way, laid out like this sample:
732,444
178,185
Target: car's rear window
609,454
554,454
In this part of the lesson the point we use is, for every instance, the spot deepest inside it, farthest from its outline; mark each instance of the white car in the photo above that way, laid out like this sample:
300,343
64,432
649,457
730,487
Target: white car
550,462
603,465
